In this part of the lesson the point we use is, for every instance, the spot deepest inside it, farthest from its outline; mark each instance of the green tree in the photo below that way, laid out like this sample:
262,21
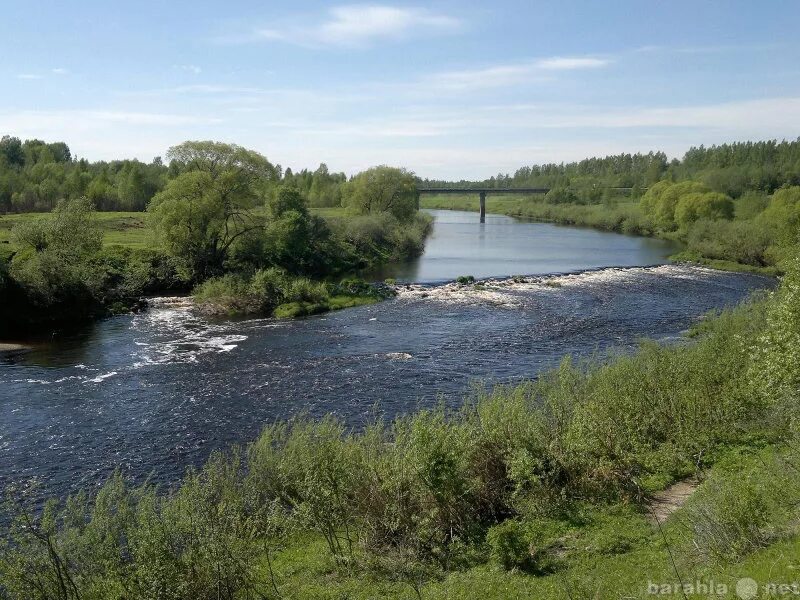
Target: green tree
782,215
662,198
382,189
205,209
703,205
55,266
11,150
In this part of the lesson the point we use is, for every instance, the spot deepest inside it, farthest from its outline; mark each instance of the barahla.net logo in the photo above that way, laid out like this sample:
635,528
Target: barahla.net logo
746,589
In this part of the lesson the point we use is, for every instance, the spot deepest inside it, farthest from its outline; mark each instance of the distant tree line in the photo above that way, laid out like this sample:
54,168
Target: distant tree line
35,175
731,169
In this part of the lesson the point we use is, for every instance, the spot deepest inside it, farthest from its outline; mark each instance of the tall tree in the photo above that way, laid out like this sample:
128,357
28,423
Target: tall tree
206,208
383,189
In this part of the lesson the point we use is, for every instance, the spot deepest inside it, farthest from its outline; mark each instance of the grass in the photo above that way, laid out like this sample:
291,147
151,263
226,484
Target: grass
607,551
120,228
291,310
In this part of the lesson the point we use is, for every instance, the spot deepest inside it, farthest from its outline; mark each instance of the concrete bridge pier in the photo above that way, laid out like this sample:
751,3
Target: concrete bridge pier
483,207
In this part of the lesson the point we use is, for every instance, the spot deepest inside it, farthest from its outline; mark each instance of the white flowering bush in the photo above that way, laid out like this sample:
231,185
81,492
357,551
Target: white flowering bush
776,354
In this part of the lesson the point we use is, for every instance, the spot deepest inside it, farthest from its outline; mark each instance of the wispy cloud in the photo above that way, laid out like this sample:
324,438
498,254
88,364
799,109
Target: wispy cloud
513,73
59,71
29,76
359,25
712,49
567,63
89,119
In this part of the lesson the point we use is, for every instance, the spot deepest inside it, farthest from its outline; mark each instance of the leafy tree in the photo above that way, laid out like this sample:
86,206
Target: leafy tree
206,208
382,189
55,267
71,230
703,205
287,198
661,200
782,215
560,195
11,150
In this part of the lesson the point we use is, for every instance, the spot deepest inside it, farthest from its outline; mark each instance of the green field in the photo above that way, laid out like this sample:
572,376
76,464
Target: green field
530,207
121,228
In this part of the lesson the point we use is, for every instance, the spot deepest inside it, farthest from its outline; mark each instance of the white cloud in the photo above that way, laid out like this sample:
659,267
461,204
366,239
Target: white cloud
59,71
56,124
360,25
30,76
512,73
566,63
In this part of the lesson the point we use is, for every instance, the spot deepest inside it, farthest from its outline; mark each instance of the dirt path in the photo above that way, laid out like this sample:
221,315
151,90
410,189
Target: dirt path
667,501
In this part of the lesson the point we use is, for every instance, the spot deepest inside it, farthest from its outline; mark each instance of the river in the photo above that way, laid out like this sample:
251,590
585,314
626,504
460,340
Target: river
155,392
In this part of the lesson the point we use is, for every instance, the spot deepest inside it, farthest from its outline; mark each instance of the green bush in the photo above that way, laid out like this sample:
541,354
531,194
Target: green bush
508,545
703,205
744,242
661,200
750,501
561,195
751,204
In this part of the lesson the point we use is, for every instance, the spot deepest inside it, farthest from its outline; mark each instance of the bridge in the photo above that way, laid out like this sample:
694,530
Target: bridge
482,193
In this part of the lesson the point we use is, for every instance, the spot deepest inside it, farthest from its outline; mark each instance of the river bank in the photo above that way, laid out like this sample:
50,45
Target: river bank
526,405
623,217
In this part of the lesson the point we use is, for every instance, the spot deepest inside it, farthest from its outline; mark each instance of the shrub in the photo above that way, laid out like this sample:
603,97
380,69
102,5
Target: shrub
751,204
560,195
742,241
776,353
703,205
508,545
750,501
661,200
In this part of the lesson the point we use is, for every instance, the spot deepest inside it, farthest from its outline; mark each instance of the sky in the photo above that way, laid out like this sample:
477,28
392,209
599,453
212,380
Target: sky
448,89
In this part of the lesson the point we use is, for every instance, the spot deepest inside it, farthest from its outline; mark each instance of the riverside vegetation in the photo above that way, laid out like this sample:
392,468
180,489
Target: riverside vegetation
539,490
734,206
226,223
534,491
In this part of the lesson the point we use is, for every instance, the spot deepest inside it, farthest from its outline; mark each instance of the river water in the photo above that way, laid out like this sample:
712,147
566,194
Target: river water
155,392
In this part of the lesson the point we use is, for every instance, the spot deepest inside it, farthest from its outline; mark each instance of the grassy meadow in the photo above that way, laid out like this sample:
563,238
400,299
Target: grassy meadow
129,229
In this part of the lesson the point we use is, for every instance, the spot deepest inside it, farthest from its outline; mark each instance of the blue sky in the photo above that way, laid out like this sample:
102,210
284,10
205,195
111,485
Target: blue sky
447,89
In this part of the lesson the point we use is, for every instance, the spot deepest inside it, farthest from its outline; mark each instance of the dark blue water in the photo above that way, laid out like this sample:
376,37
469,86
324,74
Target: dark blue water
155,392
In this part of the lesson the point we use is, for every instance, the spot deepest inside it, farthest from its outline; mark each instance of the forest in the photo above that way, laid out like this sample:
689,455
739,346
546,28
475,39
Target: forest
732,169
